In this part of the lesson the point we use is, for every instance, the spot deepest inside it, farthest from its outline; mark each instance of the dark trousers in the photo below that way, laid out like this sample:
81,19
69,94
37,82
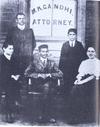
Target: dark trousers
12,95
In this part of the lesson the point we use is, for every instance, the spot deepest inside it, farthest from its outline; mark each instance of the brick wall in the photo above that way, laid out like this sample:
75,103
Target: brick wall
8,11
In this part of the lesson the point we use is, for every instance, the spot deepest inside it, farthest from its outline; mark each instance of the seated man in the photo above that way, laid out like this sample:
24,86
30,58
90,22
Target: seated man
9,76
45,74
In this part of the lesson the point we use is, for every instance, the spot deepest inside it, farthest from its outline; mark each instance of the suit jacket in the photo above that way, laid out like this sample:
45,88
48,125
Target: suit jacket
24,44
7,68
37,67
70,60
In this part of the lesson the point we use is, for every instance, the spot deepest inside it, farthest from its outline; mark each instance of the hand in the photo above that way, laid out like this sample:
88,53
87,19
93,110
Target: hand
33,75
42,76
48,75
97,77
77,82
15,77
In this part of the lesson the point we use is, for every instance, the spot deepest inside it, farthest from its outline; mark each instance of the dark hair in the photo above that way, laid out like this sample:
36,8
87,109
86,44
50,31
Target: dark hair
20,13
6,44
42,46
90,44
72,30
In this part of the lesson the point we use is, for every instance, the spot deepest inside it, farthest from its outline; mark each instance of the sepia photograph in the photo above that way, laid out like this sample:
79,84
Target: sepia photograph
49,63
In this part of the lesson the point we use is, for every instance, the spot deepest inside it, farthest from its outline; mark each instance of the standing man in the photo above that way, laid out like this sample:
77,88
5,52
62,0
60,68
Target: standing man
23,40
72,53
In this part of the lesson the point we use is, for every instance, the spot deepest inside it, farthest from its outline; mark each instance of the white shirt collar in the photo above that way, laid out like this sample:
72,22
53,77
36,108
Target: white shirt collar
21,27
72,43
42,59
7,56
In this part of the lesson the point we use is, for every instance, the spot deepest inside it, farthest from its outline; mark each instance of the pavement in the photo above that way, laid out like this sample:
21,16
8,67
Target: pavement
28,114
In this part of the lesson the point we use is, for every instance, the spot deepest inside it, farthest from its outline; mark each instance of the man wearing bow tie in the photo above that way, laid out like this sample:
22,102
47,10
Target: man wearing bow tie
44,73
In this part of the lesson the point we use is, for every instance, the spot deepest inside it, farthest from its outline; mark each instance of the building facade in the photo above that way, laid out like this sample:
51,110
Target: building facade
50,20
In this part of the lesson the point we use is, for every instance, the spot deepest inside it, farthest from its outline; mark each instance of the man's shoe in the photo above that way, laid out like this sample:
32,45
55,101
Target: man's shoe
52,120
9,118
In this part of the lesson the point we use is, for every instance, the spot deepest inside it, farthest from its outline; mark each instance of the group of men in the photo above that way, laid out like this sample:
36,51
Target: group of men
18,61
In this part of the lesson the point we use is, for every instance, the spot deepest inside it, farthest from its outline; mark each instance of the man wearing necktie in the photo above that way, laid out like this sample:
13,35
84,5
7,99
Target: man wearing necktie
44,73
72,53
72,43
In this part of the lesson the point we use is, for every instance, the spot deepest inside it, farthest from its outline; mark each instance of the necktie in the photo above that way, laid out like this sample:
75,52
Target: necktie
44,63
72,44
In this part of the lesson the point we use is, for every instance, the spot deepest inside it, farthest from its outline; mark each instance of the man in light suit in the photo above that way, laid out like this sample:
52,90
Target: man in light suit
44,73
72,53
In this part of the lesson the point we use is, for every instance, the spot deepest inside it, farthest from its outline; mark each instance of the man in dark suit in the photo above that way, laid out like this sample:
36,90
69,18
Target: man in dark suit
23,40
9,84
45,74
72,53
